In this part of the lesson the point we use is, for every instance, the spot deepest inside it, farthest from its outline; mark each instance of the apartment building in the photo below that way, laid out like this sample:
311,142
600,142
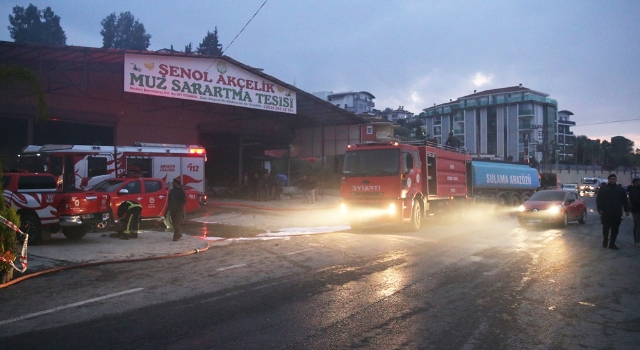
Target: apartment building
358,102
565,138
394,115
515,123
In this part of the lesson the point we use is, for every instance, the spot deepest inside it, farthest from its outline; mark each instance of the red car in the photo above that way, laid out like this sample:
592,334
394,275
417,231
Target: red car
553,207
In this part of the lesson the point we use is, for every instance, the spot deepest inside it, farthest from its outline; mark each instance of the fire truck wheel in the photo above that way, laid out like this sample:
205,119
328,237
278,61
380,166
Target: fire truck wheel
74,232
30,224
416,217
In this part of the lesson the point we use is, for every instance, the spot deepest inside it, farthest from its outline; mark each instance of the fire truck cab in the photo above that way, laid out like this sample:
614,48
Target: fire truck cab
395,182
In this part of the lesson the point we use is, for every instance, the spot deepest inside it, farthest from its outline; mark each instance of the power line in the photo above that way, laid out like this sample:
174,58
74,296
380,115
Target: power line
245,26
609,122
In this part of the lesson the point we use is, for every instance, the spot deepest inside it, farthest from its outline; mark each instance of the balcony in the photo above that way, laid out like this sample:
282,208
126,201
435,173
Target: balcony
525,112
566,122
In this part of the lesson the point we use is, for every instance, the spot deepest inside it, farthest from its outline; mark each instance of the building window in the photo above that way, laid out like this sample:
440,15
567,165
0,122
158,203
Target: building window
369,129
492,131
458,125
461,139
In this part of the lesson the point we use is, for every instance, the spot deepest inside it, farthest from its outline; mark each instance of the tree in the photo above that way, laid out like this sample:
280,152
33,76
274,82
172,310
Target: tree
621,150
124,32
621,145
581,149
188,48
31,25
210,44
12,73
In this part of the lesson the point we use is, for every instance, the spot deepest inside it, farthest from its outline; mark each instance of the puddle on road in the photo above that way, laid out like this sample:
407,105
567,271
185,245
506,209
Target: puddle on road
200,229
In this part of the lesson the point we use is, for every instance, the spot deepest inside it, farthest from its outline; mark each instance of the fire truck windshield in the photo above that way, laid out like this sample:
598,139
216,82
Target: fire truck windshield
371,162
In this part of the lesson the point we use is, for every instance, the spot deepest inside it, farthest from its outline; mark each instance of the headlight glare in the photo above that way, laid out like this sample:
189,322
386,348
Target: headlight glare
392,209
555,209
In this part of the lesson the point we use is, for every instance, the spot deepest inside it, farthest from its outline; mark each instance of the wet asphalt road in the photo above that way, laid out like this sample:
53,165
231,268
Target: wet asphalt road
476,282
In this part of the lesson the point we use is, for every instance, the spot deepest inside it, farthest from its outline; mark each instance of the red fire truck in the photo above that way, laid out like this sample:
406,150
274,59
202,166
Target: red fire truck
83,166
394,182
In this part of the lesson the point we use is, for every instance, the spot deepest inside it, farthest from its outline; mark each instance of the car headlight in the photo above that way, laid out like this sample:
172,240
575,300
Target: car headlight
555,209
521,208
343,208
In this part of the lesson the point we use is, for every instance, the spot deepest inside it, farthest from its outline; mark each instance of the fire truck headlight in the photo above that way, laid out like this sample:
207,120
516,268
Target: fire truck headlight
392,209
343,208
403,194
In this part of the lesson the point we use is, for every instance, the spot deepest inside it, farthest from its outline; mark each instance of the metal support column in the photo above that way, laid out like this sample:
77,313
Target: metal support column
240,171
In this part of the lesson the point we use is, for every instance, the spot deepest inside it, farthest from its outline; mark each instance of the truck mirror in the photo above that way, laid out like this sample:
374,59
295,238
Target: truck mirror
123,191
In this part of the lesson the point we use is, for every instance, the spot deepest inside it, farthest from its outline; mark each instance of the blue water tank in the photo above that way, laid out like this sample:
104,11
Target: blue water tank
504,176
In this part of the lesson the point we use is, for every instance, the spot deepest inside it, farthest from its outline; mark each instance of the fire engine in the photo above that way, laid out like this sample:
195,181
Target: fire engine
83,166
399,182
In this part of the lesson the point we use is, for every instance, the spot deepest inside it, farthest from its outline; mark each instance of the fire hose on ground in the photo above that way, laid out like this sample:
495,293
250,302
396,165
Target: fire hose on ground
23,258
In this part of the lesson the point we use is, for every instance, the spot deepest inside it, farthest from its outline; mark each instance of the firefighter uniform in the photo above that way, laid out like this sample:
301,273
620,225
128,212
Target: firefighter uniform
129,214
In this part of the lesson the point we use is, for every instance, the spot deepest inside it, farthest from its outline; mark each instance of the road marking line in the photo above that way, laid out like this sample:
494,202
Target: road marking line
35,314
299,251
231,267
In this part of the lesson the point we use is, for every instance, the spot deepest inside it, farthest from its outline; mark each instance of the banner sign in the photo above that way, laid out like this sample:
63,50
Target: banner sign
206,80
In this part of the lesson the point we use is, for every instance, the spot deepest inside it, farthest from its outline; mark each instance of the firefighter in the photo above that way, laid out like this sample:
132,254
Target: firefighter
129,214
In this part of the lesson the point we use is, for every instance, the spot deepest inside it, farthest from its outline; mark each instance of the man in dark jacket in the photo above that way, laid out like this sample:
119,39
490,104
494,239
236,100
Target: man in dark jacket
177,200
610,201
634,200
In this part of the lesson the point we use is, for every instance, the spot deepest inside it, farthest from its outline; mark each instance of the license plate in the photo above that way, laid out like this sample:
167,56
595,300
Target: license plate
535,221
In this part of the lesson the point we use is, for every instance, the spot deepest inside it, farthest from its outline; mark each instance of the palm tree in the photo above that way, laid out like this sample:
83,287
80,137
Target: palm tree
10,74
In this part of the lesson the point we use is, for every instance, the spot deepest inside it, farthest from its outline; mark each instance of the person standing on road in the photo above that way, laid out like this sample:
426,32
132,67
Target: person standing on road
177,200
129,214
634,200
610,201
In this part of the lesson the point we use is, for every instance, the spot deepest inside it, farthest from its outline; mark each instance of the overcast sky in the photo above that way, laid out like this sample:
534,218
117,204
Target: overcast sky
583,53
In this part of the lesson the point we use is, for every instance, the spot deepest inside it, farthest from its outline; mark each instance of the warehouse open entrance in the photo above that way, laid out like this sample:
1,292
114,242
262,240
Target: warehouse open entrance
231,157
16,134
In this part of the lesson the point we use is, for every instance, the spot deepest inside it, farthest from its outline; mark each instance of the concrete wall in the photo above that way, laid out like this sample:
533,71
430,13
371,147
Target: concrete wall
567,176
